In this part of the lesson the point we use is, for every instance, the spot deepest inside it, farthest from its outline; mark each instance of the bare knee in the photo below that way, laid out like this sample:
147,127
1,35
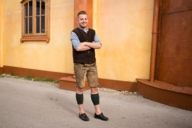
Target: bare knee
79,90
94,90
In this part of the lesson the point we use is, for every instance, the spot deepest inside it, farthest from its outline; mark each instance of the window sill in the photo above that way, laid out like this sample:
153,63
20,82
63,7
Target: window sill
38,38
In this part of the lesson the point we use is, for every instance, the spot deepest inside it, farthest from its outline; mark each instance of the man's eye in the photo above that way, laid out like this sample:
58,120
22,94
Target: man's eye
83,19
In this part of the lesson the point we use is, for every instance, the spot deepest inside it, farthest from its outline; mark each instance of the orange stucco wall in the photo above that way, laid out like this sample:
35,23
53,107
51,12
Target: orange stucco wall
124,28
52,56
1,33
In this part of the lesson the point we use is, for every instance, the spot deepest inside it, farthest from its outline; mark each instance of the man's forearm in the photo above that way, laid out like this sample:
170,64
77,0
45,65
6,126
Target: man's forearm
93,45
83,47
88,45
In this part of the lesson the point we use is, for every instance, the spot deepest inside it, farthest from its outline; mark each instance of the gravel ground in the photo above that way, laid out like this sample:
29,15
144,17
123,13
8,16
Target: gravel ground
31,104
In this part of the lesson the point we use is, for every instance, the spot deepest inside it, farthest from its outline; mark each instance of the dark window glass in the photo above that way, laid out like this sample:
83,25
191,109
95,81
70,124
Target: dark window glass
38,24
30,8
38,7
30,25
43,8
42,24
26,9
26,25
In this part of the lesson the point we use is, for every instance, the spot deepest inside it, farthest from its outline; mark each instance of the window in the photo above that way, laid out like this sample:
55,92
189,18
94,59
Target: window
35,20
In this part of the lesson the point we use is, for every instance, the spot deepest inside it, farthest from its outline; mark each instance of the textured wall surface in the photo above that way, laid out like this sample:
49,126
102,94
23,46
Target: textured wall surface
124,28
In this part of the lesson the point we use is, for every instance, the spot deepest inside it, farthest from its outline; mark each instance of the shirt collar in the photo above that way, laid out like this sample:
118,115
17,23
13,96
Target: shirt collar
84,29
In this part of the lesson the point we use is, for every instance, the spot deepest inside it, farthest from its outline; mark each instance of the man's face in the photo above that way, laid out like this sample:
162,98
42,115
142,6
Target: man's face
83,21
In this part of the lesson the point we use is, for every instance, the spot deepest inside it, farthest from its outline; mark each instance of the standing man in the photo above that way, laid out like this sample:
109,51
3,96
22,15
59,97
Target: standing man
85,41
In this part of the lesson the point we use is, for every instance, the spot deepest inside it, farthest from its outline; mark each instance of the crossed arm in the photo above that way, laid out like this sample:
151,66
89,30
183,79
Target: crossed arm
83,46
88,45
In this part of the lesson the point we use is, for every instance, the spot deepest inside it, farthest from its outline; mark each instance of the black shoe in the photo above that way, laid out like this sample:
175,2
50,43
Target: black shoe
84,117
101,117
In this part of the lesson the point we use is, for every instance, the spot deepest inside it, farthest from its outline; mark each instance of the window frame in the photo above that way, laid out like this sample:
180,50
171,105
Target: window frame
34,36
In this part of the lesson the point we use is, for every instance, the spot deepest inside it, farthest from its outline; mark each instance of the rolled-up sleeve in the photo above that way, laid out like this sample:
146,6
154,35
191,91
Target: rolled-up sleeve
96,39
75,40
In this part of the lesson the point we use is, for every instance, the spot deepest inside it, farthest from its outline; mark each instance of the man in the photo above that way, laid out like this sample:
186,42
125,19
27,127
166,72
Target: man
85,41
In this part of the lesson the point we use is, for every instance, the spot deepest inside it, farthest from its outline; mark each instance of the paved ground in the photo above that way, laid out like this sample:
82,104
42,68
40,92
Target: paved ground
30,104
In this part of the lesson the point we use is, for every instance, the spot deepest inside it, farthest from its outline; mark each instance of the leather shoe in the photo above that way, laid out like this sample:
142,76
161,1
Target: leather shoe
84,117
101,117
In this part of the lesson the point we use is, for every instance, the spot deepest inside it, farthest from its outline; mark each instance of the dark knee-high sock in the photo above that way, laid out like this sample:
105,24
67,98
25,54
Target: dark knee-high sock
95,98
79,98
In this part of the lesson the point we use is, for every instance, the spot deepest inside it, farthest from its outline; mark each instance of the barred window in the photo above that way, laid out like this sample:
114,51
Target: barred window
35,20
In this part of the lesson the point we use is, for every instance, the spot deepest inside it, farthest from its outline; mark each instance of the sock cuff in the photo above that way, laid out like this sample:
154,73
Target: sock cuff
79,98
95,98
